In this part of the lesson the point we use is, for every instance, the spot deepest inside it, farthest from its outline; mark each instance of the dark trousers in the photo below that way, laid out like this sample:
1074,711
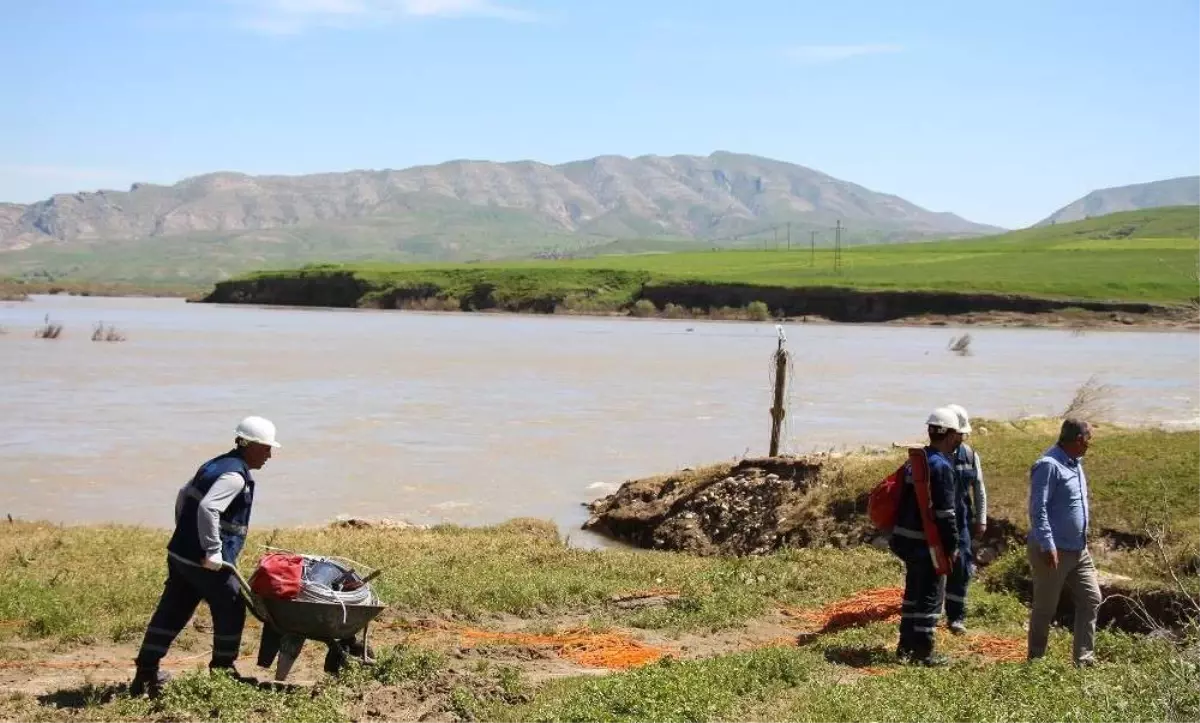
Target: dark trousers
922,600
956,585
186,586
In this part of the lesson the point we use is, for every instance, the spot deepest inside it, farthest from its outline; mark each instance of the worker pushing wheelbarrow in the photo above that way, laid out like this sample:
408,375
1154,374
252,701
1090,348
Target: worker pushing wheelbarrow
305,597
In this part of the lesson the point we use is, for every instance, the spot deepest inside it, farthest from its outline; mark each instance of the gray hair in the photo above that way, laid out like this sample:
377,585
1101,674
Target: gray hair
1073,428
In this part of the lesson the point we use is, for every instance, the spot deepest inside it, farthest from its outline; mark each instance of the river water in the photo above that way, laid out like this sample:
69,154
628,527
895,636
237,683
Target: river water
478,418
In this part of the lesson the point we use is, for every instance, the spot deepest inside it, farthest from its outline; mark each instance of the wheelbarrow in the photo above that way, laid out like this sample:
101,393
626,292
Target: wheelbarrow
299,620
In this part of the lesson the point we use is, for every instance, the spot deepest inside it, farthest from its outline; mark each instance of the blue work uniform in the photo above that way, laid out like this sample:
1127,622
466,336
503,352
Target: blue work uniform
212,513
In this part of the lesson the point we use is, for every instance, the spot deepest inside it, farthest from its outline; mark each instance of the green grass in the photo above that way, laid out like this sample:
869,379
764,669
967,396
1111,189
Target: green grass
99,583
1137,477
1138,680
1148,256
71,586
51,584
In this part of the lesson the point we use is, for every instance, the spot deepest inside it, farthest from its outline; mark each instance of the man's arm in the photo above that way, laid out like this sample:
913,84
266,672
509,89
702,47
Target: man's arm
1041,476
941,488
980,497
208,514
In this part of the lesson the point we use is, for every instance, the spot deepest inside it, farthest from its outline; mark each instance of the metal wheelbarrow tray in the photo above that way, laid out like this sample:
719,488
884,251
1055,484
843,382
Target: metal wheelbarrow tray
300,620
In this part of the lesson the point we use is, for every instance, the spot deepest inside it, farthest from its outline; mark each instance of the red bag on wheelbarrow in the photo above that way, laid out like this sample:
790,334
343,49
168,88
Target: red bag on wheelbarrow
279,575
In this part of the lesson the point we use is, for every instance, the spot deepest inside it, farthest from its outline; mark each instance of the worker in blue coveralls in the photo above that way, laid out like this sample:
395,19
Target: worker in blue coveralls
212,514
970,507
923,586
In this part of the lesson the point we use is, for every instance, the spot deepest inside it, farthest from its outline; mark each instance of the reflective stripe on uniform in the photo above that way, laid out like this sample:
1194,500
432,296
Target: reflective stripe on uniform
910,534
162,631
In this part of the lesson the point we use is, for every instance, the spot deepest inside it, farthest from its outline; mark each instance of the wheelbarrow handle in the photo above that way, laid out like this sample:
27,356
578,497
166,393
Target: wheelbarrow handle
237,574
252,601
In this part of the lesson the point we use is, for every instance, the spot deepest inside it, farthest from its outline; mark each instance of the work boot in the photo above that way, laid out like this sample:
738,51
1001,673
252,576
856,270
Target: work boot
230,670
148,681
958,627
933,660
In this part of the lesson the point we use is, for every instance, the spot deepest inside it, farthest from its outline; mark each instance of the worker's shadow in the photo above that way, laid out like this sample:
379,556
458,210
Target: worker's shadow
88,694
858,656
92,694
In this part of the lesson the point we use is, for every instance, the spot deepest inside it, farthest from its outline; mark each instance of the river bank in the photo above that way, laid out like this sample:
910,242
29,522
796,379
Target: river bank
633,293
22,289
487,623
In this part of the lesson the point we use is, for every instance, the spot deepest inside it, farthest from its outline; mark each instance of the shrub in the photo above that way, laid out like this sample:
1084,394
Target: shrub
758,311
643,308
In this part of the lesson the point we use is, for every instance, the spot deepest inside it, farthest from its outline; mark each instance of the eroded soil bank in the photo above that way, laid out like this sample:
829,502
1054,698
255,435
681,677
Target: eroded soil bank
634,296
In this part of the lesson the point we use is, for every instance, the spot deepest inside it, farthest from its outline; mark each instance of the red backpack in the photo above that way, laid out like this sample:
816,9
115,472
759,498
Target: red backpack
279,576
884,502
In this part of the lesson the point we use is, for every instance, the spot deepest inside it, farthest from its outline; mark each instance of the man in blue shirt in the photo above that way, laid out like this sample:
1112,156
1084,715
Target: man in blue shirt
1057,544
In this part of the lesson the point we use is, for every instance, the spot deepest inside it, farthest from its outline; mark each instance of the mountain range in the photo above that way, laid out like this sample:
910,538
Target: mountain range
212,226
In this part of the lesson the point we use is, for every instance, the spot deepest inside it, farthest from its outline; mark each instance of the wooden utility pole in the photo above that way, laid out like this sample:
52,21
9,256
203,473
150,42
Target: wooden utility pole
789,235
777,411
812,247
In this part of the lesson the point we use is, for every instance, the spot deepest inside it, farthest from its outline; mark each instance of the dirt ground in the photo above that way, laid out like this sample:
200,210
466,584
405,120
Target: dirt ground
59,676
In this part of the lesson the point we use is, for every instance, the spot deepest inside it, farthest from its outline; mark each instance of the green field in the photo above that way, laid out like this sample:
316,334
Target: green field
1144,256
1140,255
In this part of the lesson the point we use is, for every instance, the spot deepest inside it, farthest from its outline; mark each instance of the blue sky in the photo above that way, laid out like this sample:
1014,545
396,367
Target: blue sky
1000,112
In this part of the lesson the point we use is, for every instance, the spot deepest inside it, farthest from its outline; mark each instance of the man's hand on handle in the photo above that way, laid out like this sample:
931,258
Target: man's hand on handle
213,562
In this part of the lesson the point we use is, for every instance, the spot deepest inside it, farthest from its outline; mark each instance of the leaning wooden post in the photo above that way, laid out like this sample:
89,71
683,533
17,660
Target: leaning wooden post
777,411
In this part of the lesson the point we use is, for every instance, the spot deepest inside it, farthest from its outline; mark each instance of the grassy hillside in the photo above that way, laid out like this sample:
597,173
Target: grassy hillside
1148,256
1183,191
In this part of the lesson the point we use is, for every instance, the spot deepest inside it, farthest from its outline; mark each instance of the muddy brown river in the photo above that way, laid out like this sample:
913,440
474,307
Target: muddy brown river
478,418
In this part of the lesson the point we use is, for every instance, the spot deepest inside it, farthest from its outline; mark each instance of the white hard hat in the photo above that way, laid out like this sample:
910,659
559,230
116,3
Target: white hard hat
257,429
964,422
945,418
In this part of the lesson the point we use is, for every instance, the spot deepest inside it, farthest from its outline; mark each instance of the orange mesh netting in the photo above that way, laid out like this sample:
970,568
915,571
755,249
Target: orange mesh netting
868,606
615,651
598,650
